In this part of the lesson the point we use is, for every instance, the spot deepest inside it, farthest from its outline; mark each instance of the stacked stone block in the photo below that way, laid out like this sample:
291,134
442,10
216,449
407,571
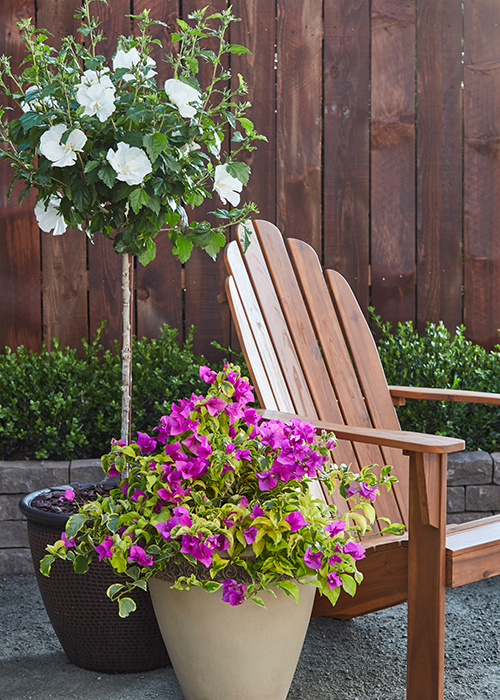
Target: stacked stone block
16,480
473,486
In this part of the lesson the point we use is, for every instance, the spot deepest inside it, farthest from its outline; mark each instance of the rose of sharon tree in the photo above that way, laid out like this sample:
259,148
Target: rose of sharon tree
111,151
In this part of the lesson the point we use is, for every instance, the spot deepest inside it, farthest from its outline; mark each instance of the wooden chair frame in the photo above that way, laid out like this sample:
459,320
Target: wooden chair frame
310,353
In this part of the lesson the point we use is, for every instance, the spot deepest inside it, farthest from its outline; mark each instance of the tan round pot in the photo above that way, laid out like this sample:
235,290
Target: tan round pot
220,652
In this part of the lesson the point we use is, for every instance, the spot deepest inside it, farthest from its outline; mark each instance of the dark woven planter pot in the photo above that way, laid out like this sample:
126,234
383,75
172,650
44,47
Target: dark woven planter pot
85,620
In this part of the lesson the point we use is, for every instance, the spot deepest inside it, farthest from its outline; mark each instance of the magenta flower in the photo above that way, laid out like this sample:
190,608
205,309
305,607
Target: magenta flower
104,549
257,512
69,495
139,556
198,549
219,542
243,502
119,443
234,411
182,513
335,559
207,375
146,443
232,592
124,488
113,471
296,520
250,534
267,480
165,529
137,495
368,491
215,406
335,527
333,580
356,550
312,559
244,454
68,542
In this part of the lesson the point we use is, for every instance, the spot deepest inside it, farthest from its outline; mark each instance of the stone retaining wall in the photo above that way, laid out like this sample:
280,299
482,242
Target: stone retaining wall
473,486
473,492
16,480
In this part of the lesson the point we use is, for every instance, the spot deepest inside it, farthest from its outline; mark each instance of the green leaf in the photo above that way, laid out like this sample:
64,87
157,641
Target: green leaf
211,586
46,563
107,175
348,584
241,171
141,584
126,606
290,588
148,252
258,601
182,248
155,144
114,589
138,198
91,165
75,523
246,124
237,49
30,119
81,564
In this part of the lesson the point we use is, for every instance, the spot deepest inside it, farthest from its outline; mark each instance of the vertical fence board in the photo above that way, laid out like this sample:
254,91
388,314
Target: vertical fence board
393,159
205,277
439,163
20,289
298,131
64,258
104,265
159,286
346,142
257,31
482,171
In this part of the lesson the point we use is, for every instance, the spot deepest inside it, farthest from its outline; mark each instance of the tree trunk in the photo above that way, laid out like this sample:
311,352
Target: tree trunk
127,311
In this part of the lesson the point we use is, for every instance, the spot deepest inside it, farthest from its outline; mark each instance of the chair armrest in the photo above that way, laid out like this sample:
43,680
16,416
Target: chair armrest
422,392
412,442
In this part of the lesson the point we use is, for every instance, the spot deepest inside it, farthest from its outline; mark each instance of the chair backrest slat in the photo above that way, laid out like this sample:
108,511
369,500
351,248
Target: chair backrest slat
338,360
371,377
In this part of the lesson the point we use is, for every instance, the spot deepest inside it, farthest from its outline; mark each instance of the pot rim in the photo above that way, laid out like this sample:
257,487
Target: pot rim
43,517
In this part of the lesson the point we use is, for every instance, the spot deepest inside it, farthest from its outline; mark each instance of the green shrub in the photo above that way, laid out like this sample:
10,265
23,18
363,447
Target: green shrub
55,405
436,359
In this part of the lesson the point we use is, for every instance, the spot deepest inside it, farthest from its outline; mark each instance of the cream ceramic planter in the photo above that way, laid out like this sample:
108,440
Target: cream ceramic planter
220,652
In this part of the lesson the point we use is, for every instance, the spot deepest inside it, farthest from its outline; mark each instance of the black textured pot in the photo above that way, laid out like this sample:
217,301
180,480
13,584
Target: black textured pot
85,620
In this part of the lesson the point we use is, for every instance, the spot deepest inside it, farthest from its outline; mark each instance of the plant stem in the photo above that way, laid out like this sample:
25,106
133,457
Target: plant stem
127,310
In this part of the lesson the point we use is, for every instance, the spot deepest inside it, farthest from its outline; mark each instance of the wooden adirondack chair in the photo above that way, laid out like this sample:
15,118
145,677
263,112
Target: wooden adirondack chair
310,353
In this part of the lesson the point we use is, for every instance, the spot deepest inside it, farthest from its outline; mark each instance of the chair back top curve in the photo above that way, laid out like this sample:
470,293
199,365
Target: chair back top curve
310,350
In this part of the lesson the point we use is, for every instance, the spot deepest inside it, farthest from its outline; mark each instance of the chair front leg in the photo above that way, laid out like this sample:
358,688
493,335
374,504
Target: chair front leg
426,576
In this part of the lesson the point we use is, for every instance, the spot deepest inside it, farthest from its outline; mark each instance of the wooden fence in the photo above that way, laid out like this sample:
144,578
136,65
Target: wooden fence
383,127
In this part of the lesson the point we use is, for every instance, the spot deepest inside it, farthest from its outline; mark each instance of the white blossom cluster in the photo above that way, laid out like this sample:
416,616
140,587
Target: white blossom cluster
96,92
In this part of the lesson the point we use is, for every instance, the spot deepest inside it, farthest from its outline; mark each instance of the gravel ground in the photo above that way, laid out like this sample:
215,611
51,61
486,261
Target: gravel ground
362,659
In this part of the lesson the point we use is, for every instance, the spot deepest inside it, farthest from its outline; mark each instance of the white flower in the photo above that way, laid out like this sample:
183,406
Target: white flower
129,59
183,96
131,164
227,186
31,104
61,154
90,77
97,94
49,217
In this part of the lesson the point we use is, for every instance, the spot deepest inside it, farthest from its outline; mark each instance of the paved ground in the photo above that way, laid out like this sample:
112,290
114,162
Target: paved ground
362,659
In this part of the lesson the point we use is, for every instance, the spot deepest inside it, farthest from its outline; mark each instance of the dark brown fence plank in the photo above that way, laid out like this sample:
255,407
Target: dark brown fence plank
482,171
439,163
257,31
393,159
299,78
159,284
346,143
64,258
104,265
20,289
204,278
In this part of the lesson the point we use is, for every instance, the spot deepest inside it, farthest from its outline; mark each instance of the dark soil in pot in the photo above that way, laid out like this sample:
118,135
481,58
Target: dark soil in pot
85,620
